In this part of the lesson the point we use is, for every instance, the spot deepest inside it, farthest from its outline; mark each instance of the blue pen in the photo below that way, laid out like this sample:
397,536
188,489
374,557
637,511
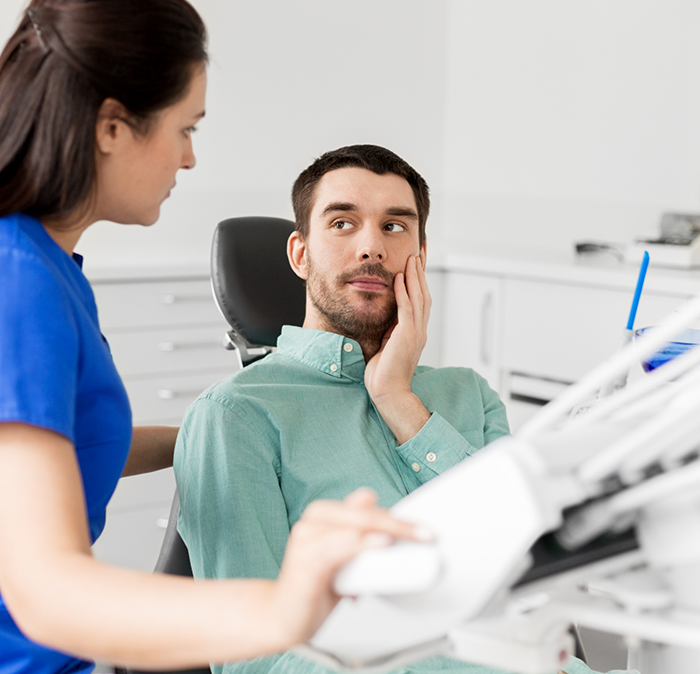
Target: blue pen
621,381
638,291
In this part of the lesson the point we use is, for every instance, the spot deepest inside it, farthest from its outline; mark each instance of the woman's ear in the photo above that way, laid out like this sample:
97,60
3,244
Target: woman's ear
296,254
111,126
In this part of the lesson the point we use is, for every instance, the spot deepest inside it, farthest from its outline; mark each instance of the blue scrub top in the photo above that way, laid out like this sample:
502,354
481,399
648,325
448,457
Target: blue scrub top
56,372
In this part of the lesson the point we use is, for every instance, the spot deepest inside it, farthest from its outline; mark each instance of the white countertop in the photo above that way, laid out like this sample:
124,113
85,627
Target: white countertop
133,274
591,269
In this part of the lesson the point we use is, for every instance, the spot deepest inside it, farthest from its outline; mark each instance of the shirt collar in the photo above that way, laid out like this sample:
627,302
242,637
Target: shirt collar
333,354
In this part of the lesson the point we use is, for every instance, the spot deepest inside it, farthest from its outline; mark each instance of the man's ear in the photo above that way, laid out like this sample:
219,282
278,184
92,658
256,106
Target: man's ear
111,126
296,254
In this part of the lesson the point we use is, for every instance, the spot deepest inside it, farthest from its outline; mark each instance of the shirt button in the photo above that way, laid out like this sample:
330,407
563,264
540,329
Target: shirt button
347,347
431,457
334,368
415,466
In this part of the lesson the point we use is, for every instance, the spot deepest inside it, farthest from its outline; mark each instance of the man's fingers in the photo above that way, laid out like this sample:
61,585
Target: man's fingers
427,299
413,284
403,301
416,289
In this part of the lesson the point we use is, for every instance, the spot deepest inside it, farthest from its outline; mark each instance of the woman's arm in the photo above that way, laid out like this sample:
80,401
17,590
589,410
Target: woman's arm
151,449
61,596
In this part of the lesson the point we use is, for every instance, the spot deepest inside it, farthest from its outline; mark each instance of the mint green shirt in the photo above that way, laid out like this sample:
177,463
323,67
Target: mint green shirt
256,448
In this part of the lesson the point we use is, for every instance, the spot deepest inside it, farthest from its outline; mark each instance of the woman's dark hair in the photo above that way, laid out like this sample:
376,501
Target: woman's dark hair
374,158
64,60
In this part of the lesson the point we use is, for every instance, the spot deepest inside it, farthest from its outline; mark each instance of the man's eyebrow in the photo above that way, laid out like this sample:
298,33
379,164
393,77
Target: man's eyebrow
398,211
402,212
339,206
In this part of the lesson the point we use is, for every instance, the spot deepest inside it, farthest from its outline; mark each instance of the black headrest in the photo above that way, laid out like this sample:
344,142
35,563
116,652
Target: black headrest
255,287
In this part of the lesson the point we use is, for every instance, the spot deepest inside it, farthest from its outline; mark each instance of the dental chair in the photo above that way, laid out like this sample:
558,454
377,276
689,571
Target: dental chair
257,293
254,286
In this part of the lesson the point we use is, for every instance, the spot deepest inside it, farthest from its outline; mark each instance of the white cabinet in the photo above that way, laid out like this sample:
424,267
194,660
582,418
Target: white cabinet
532,329
432,353
471,323
554,333
166,337
561,331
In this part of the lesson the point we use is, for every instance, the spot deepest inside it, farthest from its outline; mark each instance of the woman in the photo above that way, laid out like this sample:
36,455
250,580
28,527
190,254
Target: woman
98,101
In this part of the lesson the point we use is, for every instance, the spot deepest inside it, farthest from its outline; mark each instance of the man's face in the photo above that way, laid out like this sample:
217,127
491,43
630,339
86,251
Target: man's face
363,228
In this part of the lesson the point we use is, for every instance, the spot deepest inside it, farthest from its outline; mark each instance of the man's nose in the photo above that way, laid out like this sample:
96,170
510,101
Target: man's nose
371,245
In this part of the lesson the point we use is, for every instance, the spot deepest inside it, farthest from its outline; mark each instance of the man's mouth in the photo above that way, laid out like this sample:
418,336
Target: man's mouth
368,283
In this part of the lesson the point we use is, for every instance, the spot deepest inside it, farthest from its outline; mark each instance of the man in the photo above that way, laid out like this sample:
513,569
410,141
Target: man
342,403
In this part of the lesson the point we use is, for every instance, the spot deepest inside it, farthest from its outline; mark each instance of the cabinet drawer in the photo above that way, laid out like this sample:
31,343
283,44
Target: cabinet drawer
165,399
563,331
170,351
126,305
133,539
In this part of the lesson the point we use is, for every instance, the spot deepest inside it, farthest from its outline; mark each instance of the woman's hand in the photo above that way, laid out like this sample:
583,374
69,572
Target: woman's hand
328,535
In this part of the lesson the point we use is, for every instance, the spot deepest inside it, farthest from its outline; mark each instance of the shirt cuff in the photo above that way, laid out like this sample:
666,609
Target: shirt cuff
435,448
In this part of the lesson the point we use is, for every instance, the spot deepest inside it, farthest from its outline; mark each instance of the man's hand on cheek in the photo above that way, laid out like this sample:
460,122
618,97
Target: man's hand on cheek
389,373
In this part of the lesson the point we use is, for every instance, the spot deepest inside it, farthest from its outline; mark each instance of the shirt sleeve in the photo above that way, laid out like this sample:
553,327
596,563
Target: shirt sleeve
233,517
472,416
39,347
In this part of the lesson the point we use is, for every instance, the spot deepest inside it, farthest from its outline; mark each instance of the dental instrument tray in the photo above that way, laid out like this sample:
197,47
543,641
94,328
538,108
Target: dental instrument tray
678,244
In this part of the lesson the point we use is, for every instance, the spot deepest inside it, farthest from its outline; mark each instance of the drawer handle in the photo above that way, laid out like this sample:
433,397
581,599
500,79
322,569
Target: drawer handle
178,346
171,394
181,299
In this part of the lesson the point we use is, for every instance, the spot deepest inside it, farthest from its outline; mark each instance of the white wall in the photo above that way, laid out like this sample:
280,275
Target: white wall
288,81
535,123
566,120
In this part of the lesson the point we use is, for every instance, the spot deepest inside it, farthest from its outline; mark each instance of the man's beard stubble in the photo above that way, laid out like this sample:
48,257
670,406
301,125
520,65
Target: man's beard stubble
366,325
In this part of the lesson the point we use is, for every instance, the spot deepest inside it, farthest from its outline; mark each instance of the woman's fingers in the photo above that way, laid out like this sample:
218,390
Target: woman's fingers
360,514
327,536
363,497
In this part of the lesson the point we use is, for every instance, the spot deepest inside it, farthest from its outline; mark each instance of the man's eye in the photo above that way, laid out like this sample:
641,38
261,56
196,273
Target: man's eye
342,224
395,227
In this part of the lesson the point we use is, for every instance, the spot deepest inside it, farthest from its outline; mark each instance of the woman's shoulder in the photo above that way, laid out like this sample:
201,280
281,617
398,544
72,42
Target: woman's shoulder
11,235
32,264
33,289
18,243
23,267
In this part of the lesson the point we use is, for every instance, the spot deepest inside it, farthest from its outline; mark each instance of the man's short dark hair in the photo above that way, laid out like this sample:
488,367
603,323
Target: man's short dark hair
377,159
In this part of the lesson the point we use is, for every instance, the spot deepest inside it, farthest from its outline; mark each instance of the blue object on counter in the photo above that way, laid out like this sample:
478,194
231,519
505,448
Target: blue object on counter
685,340
627,334
638,290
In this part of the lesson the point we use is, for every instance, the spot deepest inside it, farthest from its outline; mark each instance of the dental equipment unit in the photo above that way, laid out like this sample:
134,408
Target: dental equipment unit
591,520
